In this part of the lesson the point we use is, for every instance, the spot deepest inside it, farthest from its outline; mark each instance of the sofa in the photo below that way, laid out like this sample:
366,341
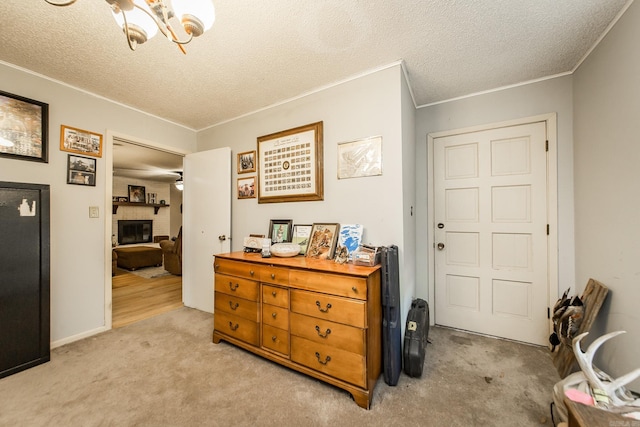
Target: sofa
172,254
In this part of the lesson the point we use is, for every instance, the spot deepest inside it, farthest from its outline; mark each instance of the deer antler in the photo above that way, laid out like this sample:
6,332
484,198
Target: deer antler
585,360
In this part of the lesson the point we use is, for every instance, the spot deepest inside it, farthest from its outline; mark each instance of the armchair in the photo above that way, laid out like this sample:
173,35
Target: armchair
172,254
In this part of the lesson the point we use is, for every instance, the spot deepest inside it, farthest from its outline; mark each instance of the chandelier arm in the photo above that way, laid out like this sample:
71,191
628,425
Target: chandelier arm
68,3
126,31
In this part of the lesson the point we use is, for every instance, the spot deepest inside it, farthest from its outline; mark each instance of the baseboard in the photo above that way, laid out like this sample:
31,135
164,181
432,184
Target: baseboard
78,337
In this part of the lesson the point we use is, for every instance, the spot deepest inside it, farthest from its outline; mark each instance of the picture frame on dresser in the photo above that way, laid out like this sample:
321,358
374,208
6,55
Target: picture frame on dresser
323,239
280,230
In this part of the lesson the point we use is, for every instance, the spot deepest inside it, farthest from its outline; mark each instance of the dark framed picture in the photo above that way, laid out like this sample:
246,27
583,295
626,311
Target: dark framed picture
137,194
80,141
247,162
301,234
247,188
322,243
280,230
23,128
81,170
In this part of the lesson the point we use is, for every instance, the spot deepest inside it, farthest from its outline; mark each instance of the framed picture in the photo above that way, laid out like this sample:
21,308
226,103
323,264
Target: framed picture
81,170
247,188
301,233
360,158
137,194
280,230
247,162
80,141
322,243
349,237
290,165
23,129
123,199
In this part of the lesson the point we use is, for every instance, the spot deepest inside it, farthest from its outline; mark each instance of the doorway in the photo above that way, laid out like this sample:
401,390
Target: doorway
492,208
134,294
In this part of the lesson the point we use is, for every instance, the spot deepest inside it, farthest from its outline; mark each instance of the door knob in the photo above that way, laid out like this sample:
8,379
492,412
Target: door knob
440,246
222,238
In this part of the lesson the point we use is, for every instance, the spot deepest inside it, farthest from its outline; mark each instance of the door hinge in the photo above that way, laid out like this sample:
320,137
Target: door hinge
547,229
546,145
548,313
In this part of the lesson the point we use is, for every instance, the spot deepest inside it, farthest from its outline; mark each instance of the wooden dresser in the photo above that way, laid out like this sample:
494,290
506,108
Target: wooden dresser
315,316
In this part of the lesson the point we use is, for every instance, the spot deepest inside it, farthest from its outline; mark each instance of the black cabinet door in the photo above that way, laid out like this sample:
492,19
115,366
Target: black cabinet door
24,276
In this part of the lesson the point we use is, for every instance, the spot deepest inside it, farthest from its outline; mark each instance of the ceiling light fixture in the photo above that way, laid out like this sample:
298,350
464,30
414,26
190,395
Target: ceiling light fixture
141,19
180,183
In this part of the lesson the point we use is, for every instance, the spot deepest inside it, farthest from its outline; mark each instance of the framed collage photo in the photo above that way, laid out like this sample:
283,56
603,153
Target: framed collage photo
23,128
81,170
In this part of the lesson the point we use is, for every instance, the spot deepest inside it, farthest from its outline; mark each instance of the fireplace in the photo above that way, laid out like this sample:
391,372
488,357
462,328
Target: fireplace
135,231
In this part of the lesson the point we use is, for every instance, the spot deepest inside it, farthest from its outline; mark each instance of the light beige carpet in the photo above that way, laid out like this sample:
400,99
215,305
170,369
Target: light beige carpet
165,371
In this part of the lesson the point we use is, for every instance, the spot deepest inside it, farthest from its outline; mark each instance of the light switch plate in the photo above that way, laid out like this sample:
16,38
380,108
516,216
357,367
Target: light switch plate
94,212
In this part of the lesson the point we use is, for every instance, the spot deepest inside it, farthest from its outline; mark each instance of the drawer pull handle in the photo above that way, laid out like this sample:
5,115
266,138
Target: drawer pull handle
354,289
325,361
273,276
216,266
274,315
233,287
274,338
233,306
324,310
233,328
274,293
326,333
251,272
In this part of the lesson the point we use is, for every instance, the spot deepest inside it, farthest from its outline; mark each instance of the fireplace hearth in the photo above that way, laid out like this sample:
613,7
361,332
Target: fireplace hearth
135,231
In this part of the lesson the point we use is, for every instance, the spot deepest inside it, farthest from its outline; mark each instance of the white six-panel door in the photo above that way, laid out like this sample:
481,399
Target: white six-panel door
490,212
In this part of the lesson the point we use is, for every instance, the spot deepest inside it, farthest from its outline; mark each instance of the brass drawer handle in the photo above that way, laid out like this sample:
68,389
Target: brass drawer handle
233,307
274,293
274,315
251,272
216,266
326,359
326,333
233,287
273,276
233,328
354,289
274,338
324,310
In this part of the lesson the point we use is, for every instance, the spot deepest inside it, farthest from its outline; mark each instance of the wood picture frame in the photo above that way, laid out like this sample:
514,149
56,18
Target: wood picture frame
247,187
80,141
291,165
322,242
246,162
24,128
81,170
280,230
137,194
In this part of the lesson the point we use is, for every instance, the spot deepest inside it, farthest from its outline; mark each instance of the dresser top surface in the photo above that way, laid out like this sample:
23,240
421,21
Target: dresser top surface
302,262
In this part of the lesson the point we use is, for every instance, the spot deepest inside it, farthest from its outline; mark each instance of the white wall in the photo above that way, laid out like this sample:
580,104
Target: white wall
549,96
367,106
607,177
77,242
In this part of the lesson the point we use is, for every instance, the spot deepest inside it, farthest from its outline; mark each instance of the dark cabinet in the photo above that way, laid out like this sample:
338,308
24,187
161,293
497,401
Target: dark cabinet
24,276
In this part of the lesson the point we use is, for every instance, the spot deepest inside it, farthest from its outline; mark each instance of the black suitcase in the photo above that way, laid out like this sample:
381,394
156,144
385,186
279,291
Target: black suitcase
416,335
391,323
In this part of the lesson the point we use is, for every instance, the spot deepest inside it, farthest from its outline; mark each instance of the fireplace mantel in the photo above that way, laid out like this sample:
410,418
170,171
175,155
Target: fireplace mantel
155,206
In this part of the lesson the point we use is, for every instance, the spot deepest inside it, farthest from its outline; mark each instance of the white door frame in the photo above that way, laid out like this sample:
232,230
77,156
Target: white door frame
552,200
108,160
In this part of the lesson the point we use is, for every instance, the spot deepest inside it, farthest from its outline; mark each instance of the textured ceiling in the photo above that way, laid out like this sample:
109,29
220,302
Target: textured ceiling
259,53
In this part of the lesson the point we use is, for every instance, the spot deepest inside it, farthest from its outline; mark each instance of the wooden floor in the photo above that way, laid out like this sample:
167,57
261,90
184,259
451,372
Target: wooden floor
135,298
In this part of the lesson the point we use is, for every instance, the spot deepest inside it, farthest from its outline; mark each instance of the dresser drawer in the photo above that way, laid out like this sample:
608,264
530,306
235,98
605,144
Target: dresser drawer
275,296
275,339
236,268
236,286
276,275
330,333
336,284
237,306
236,326
336,309
341,364
275,316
